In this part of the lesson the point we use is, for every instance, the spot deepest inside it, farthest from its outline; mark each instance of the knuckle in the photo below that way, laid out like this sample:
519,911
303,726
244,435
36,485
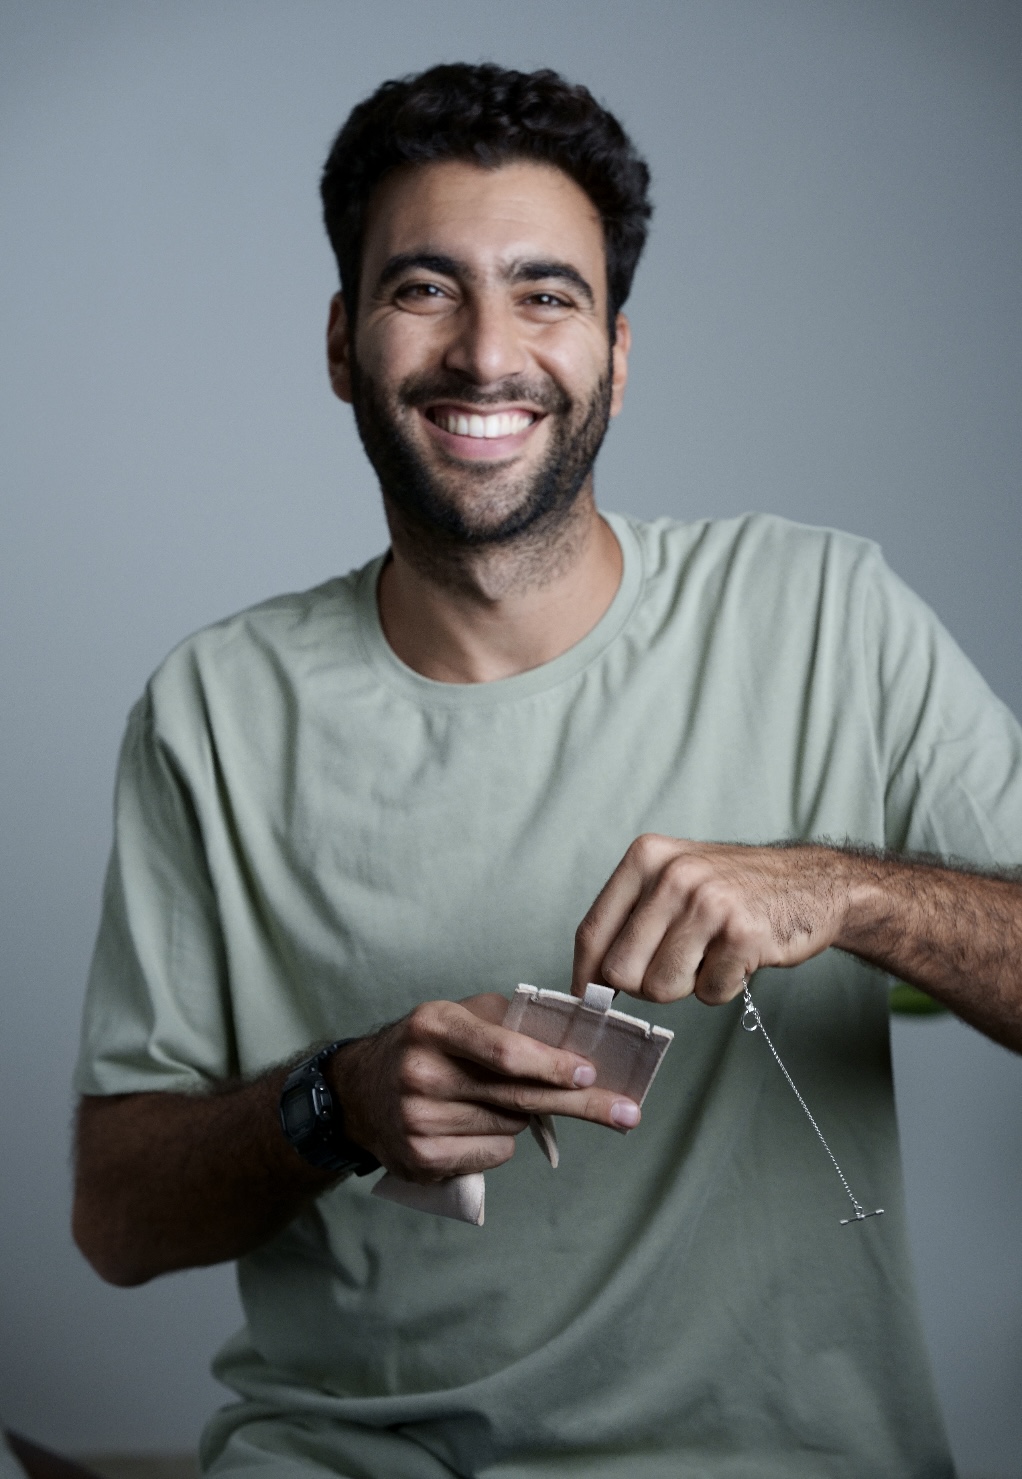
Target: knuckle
716,893
426,1157
405,1076
416,1074
503,1054
518,1097
421,1021
415,1117
677,876
712,906
646,849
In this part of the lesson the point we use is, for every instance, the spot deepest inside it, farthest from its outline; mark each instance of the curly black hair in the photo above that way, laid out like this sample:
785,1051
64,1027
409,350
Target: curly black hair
488,115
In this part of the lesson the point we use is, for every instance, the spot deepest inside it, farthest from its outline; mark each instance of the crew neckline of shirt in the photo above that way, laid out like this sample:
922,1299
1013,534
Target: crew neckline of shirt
397,674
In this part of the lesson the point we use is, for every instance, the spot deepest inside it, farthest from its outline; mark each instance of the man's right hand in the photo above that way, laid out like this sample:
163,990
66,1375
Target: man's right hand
171,1180
445,1090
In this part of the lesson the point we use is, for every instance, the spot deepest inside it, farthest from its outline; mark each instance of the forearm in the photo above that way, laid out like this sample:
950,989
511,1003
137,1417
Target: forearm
169,1181
956,935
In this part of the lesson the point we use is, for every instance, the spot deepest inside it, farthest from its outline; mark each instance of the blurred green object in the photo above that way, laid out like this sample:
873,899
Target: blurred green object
909,1001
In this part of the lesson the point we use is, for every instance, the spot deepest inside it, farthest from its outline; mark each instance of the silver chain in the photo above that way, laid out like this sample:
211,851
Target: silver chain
751,1011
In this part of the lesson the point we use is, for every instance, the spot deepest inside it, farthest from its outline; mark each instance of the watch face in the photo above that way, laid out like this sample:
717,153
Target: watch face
297,1112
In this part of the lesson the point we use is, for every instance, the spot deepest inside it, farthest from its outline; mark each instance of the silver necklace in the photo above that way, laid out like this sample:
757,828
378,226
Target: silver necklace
752,1022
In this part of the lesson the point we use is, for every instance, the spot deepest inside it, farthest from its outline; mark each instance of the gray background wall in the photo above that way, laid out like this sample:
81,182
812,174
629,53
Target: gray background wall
827,326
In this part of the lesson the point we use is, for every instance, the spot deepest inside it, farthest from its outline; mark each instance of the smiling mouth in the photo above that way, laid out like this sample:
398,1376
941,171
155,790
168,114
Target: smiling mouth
485,428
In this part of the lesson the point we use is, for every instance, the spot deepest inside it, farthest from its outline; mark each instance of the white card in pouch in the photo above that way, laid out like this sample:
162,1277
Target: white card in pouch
625,1051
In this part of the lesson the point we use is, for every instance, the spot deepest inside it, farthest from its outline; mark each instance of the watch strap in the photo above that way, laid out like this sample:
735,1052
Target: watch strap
323,1143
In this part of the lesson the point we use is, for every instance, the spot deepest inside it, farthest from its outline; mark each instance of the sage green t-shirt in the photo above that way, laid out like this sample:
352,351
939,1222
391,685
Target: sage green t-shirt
311,838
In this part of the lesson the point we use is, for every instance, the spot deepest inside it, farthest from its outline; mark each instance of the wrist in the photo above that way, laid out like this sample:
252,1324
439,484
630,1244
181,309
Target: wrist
312,1117
866,885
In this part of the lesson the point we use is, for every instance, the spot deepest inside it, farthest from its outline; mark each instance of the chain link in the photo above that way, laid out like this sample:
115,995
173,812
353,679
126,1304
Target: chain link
752,1011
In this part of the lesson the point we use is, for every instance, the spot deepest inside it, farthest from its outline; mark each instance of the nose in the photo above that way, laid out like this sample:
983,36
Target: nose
486,346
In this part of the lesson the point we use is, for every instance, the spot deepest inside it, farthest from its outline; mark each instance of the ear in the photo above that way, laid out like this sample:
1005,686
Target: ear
619,362
338,349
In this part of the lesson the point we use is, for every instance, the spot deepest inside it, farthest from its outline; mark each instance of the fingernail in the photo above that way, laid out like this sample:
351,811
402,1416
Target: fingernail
584,1075
625,1114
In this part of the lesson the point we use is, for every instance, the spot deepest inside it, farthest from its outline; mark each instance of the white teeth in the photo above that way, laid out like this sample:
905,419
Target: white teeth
503,424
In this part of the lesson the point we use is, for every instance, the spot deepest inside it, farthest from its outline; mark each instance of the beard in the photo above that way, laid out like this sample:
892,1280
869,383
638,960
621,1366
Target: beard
473,505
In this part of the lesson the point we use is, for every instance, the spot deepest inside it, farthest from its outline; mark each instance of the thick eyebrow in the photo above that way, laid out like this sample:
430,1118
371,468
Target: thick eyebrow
425,261
540,271
529,270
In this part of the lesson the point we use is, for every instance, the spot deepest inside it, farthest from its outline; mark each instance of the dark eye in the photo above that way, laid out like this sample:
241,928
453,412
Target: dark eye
545,302
421,290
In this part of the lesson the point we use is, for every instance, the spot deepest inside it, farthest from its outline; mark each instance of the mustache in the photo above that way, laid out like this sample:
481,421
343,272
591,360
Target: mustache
422,390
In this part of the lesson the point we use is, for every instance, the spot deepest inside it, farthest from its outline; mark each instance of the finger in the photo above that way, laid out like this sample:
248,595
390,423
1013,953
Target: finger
458,1033
676,918
452,1088
626,886
599,1106
723,974
690,913
673,968
687,962
436,1158
659,926
681,966
446,1082
442,1117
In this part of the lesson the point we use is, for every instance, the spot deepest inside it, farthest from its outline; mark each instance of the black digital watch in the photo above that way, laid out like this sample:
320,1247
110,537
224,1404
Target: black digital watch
313,1121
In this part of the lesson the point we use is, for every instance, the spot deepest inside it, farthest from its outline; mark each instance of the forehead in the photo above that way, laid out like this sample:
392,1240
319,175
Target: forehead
483,217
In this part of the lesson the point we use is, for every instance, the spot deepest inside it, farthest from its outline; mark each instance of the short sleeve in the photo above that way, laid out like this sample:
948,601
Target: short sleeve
157,1011
951,751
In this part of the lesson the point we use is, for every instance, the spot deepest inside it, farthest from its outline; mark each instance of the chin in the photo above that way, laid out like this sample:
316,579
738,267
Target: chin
476,522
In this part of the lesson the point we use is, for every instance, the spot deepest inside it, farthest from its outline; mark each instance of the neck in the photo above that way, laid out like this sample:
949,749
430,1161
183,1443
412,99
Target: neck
475,614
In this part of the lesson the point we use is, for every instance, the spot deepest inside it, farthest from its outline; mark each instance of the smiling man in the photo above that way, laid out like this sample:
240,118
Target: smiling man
537,742
482,384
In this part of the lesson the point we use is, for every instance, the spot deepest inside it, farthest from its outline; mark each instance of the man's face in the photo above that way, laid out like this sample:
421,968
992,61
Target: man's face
482,373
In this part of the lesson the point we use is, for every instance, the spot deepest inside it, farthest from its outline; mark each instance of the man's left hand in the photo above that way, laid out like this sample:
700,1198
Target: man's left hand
677,918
